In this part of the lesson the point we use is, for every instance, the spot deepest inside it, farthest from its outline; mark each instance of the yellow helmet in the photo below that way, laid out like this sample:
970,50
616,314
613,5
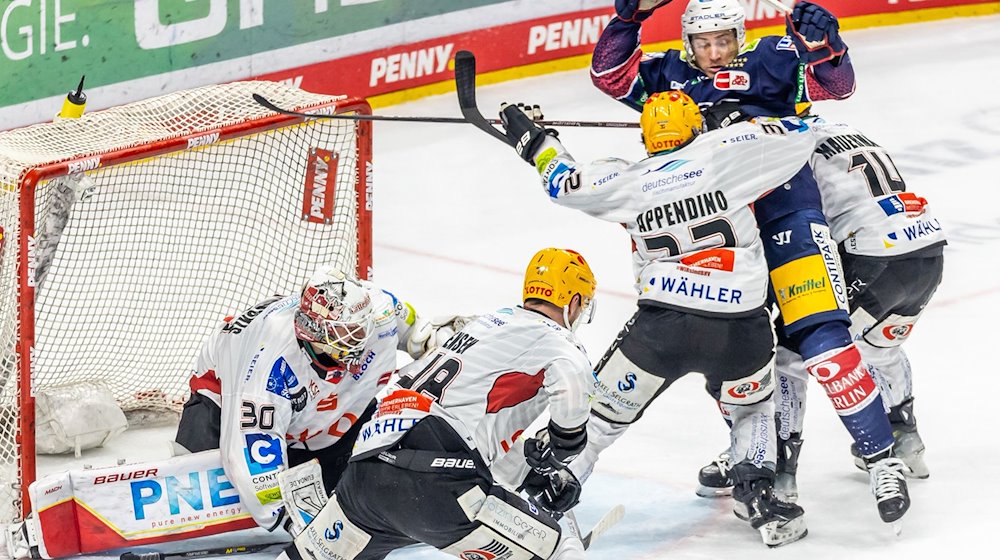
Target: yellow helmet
556,275
669,119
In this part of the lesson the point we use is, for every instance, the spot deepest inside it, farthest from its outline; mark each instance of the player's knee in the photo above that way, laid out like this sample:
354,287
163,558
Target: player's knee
821,337
623,390
750,389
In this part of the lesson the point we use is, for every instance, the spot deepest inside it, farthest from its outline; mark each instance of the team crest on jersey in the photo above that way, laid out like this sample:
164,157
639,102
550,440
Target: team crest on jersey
786,44
736,80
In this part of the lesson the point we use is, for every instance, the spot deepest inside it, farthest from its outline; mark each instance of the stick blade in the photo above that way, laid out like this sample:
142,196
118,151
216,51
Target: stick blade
609,520
465,86
465,79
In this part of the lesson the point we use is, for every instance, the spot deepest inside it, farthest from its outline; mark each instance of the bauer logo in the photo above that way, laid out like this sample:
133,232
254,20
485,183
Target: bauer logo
262,453
320,186
196,492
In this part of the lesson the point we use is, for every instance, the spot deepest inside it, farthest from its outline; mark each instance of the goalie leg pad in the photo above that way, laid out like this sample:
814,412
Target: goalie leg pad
330,536
303,494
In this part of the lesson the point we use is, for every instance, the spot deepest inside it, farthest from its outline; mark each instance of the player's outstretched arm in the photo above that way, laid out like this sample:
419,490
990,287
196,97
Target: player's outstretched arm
816,34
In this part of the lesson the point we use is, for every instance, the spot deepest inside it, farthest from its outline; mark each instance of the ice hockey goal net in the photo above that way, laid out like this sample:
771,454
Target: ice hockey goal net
128,234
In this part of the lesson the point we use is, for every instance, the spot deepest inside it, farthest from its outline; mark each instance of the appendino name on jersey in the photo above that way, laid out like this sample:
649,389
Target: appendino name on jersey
681,211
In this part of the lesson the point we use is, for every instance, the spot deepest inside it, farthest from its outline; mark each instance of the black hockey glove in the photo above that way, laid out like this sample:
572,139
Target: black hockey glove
637,10
556,493
723,114
524,135
815,32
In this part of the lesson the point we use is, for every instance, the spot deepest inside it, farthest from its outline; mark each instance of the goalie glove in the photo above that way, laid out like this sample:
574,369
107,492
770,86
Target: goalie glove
425,335
637,10
523,134
815,32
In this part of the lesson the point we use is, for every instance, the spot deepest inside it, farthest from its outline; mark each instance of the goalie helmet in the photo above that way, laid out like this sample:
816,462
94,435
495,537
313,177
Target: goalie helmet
556,275
335,314
669,120
703,16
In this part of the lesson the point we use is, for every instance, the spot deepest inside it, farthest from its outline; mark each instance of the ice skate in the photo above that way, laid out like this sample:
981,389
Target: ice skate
788,461
889,487
779,522
908,448
714,479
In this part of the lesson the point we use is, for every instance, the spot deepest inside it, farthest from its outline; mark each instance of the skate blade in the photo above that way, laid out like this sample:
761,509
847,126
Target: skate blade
897,528
714,492
778,533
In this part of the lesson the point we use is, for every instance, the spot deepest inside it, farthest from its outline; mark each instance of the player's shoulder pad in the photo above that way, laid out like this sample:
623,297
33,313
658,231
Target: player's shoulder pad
780,125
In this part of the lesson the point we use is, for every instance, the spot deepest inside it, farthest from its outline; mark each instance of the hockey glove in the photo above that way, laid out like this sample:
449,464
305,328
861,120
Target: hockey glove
815,32
524,135
723,114
426,335
534,112
556,493
637,10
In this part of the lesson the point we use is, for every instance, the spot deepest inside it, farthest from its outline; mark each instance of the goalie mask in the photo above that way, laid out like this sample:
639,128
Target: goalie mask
703,16
669,120
555,276
335,314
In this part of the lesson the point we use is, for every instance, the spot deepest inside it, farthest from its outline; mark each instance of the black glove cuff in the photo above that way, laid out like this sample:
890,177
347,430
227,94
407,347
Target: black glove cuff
567,443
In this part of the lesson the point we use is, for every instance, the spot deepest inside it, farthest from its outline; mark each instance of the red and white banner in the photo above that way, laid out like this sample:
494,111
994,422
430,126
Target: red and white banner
566,35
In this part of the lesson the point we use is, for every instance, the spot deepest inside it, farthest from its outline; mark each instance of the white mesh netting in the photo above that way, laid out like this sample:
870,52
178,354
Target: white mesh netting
135,263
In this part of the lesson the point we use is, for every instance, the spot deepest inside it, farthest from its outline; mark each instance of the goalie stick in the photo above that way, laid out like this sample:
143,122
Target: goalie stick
221,551
609,520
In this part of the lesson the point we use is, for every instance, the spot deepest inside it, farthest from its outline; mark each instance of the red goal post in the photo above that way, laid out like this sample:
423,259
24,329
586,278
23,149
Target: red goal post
128,234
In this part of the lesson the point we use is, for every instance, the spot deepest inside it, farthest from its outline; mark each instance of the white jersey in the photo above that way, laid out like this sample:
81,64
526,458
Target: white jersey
864,196
696,245
489,381
272,397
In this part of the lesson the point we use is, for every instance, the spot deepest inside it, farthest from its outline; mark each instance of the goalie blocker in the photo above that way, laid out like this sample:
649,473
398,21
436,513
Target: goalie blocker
91,510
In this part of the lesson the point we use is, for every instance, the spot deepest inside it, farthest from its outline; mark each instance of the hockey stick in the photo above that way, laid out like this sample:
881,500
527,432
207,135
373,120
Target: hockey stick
779,6
609,520
222,551
268,104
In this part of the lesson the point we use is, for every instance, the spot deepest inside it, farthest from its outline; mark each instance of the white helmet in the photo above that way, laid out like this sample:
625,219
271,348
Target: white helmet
702,16
335,314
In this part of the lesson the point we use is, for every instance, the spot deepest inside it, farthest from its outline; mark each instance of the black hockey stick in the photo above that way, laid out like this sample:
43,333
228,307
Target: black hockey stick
222,551
465,85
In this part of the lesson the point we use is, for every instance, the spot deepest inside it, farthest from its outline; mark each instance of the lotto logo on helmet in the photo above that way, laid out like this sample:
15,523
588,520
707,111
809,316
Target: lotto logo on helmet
535,290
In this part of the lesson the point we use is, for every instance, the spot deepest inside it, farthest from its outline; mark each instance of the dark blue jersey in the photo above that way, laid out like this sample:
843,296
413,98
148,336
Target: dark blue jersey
765,78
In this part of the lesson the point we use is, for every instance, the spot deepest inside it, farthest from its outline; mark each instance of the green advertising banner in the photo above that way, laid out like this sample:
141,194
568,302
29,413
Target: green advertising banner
45,45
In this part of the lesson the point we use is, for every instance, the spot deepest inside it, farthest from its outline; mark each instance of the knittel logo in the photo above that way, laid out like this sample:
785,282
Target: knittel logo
320,186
